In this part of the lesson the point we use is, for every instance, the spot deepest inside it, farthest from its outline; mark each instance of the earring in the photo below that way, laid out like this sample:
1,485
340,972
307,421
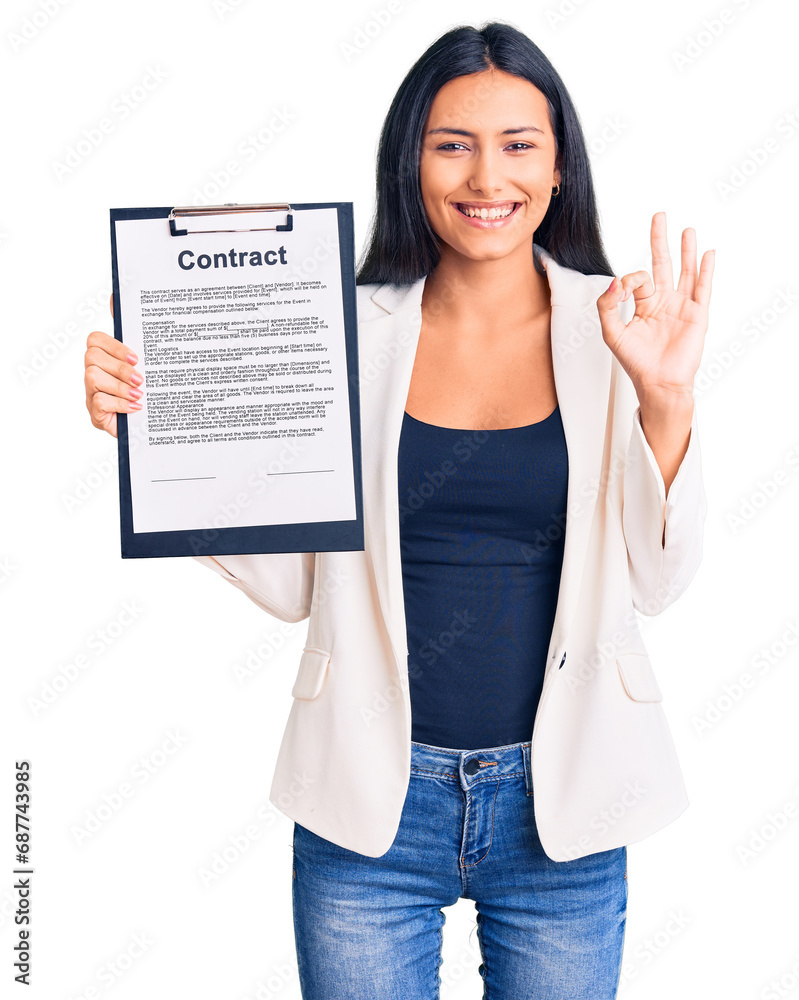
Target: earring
556,193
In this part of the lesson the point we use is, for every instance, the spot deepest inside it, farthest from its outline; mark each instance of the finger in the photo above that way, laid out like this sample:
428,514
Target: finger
687,281
111,346
606,304
106,422
102,403
112,364
661,260
96,379
638,284
111,303
703,285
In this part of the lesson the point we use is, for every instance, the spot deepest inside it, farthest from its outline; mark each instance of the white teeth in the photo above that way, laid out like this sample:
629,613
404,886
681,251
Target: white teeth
486,213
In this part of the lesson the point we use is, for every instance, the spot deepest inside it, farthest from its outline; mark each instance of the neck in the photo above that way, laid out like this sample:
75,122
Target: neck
486,296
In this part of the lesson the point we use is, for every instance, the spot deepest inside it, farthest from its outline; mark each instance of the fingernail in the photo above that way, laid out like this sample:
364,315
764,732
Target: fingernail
136,393
136,378
132,359
135,406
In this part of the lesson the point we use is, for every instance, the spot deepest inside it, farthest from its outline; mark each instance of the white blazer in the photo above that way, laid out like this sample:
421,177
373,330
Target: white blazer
604,767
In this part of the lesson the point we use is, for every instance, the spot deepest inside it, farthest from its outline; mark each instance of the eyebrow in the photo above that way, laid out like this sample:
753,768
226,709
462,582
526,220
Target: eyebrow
473,135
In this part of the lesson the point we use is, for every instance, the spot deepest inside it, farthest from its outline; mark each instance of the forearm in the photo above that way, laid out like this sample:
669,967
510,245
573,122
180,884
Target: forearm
666,422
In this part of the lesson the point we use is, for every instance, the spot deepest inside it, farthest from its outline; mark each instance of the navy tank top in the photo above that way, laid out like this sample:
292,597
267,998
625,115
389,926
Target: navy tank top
482,531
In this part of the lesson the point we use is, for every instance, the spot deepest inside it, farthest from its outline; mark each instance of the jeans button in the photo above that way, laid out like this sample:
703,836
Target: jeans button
471,766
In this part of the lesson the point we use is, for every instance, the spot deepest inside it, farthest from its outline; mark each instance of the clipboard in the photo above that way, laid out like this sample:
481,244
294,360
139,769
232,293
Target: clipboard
308,536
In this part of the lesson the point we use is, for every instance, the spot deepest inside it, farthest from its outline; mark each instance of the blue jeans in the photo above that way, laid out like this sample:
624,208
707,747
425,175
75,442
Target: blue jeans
371,928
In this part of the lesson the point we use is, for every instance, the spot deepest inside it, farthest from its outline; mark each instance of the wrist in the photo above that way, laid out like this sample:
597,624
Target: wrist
666,401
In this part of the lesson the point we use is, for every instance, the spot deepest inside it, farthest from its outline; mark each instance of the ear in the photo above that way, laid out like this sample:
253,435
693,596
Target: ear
556,177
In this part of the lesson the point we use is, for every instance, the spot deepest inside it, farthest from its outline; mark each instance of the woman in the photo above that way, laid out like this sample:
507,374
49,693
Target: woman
542,485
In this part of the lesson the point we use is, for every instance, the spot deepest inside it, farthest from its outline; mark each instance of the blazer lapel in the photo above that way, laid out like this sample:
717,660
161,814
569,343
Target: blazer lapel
582,369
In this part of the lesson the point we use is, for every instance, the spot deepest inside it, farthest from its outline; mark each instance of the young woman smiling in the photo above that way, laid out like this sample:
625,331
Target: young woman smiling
533,457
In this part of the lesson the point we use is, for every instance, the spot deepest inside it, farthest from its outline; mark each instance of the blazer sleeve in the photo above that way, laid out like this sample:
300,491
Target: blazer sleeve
280,583
661,569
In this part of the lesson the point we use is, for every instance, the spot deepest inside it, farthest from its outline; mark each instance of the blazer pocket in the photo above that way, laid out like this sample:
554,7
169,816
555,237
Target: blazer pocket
311,674
638,677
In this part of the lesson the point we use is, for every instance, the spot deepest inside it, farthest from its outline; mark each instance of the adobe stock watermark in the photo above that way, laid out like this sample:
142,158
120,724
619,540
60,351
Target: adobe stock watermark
249,148
101,470
274,984
758,156
7,570
239,844
580,333
120,110
456,968
431,481
253,660
398,178
302,284
374,26
707,34
224,8
630,795
765,491
608,134
39,17
234,511
769,829
581,501
604,654
559,14
383,699
139,774
461,622
324,248
372,371
58,341
724,359
256,657
644,953
109,973
734,691
786,985
98,642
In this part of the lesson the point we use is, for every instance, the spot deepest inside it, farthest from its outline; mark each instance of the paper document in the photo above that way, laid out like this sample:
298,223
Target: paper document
246,419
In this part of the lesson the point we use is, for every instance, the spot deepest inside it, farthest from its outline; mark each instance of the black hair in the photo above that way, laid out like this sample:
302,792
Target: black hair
402,246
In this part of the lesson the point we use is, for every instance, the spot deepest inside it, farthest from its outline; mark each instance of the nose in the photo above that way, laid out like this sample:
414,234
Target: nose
487,173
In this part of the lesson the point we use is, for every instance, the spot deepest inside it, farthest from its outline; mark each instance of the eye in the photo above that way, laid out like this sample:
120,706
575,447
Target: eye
513,145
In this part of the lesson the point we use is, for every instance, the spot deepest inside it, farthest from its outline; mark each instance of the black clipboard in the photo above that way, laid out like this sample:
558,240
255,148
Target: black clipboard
315,536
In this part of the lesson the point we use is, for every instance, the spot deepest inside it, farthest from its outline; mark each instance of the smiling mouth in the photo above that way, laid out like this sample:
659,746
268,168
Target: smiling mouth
494,213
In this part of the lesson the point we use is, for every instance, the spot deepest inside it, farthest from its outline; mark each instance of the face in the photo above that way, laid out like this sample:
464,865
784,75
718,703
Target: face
488,146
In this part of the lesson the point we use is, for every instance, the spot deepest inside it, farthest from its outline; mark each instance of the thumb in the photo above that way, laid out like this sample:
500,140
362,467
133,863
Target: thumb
606,304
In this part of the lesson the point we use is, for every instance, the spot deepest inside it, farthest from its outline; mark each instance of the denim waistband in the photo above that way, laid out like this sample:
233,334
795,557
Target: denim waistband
470,767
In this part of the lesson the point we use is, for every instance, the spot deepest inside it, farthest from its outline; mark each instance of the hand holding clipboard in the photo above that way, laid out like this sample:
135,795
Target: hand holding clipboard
247,337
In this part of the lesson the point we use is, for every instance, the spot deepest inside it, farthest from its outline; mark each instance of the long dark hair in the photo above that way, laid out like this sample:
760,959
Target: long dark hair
402,246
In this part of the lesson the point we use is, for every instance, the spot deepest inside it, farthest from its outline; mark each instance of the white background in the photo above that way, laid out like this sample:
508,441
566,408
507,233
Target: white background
663,136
